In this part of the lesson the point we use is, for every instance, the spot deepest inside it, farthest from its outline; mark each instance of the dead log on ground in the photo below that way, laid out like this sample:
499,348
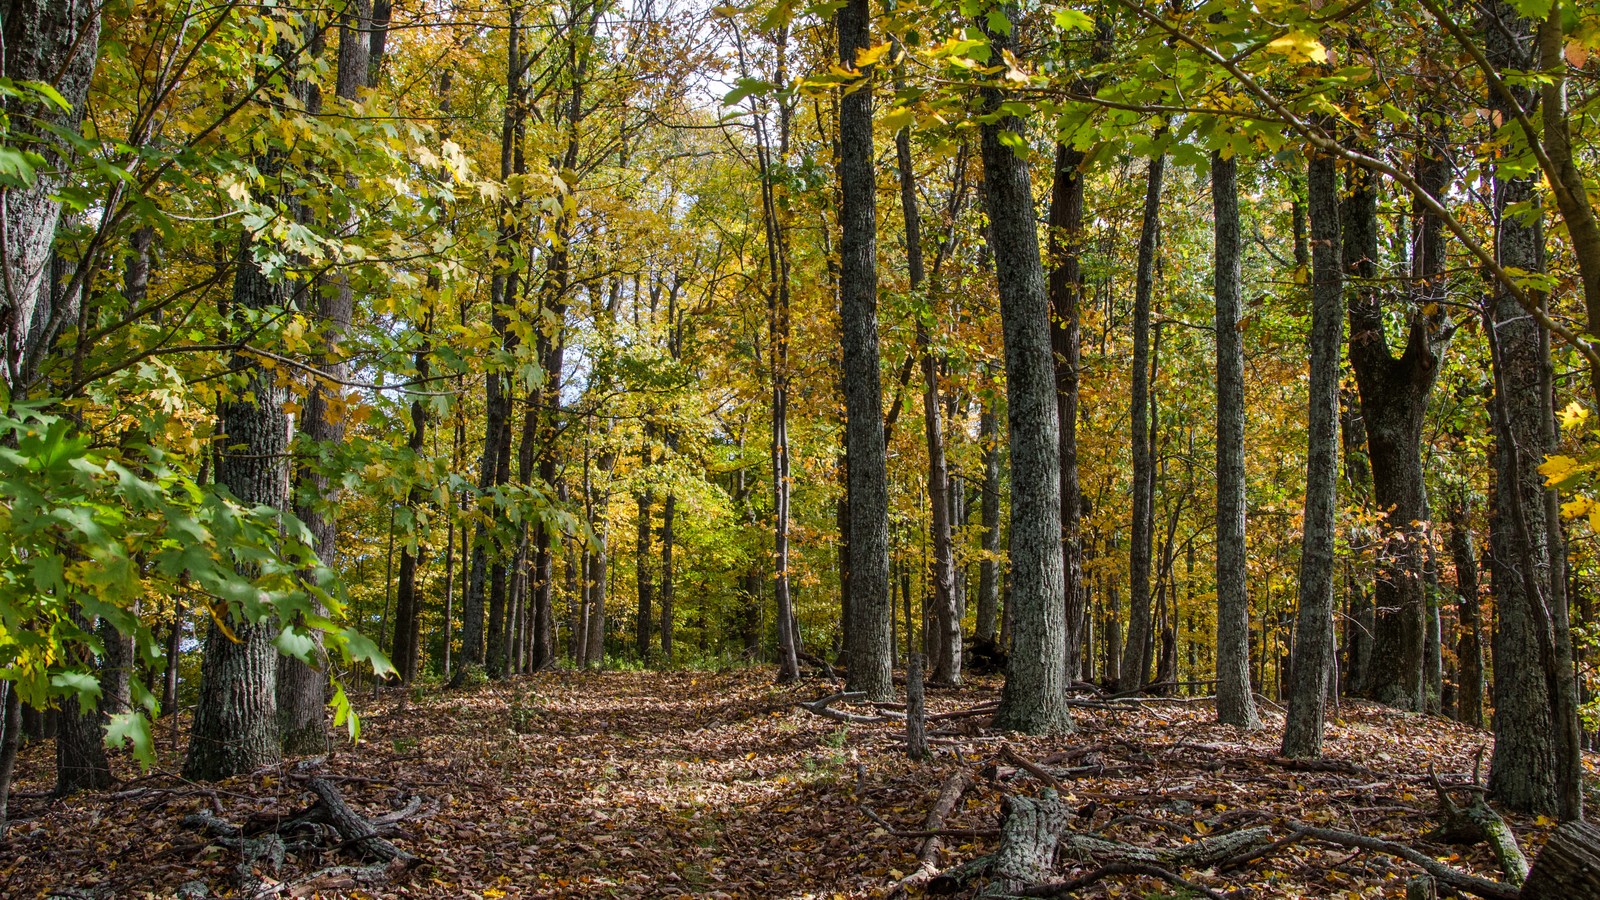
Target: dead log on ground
1460,881
1568,866
955,787
1478,823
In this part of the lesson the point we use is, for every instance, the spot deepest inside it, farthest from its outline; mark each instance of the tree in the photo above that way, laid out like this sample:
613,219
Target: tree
1313,635
1034,700
1235,699
871,605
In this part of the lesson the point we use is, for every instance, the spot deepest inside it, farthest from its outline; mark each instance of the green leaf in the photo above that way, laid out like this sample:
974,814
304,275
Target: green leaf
1074,20
295,643
343,714
83,684
134,728
997,22
359,647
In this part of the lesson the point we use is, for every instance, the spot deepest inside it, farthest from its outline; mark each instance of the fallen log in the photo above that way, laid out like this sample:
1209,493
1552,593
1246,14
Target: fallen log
355,830
955,787
1478,822
1461,881
1568,866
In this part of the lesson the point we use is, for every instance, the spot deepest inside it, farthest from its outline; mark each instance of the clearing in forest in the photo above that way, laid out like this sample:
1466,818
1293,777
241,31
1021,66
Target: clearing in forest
719,785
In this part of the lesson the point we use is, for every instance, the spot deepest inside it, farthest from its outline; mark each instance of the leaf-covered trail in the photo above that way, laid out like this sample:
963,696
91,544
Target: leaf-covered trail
683,784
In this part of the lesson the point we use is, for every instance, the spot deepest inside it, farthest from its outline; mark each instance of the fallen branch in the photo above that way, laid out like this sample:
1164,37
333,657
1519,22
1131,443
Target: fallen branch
1461,881
356,830
950,794
1063,888
824,707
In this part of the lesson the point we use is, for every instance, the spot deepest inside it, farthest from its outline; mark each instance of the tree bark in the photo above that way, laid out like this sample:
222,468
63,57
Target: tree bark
1235,701
1469,640
871,664
1313,640
1136,659
946,634
1034,699
1525,771
1065,287
55,42
989,567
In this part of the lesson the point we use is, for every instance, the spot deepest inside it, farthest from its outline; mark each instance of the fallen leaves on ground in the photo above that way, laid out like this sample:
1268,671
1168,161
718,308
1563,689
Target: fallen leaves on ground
716,785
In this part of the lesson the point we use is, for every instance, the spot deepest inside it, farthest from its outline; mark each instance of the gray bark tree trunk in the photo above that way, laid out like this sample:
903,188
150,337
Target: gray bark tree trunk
1313,638
989,567
1469,617
1065,287
1034,699
55,42
1235,701
1394,393
871,661
945,636
1526,770
1136,660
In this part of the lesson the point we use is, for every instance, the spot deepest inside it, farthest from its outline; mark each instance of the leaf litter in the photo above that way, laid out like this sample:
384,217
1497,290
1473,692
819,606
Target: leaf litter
667,785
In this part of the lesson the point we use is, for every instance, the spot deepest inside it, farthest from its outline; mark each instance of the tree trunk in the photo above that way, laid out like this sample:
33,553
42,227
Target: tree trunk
946,633
1394,397
56,43
644,630
1469,641
407,621
1065,287
1235,702
1313,638
989,567
1034,699
1526,771
1136,661
871,664
10,742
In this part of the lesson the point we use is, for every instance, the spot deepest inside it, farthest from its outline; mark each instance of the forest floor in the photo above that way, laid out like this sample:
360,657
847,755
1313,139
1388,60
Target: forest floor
720,786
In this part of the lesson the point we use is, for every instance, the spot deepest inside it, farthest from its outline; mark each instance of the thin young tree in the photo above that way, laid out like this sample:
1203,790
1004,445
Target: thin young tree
1312,659
1235,700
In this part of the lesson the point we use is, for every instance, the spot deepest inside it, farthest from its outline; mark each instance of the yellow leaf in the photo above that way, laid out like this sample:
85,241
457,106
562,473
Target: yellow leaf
870,55
1557,467
1300,46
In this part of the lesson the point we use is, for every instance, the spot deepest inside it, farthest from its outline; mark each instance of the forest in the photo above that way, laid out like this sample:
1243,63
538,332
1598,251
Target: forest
646,448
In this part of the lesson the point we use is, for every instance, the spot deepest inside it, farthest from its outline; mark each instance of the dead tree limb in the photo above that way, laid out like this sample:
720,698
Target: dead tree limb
1461,881
1065,888
824,707
955,787
1568,866
356,830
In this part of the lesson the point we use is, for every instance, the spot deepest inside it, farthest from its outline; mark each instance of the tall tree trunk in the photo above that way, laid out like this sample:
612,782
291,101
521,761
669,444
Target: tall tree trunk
1034,699
10,743
1313,637
946,632
1529,769
1235,701
989,567
1394,396
1065,287
1469,640
871,664
1136,661
407,620
644,631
